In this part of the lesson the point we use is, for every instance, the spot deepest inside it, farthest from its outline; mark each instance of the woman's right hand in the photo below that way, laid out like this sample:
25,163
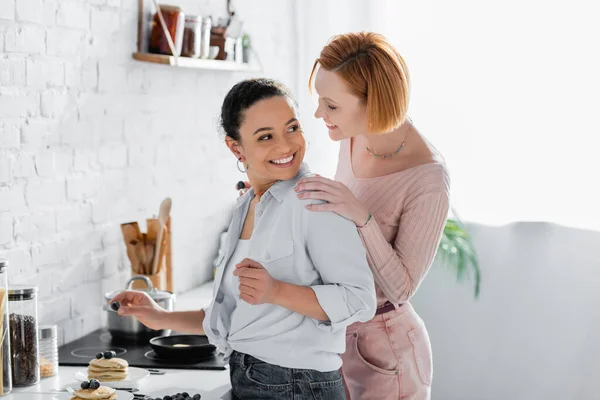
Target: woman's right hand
140,305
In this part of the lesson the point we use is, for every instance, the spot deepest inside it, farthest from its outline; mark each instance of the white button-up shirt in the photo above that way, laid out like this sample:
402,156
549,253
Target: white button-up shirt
320,250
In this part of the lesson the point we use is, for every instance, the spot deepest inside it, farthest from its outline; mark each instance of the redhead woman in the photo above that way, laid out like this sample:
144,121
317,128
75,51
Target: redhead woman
392,183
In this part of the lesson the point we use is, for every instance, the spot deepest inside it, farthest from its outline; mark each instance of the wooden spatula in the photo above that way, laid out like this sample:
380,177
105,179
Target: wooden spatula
131,235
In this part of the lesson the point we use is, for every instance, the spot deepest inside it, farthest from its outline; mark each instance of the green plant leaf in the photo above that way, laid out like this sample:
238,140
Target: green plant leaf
456,251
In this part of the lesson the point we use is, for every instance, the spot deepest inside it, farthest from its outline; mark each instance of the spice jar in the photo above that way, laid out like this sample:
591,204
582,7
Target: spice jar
48,337
22,301
174,21
192,36
5,363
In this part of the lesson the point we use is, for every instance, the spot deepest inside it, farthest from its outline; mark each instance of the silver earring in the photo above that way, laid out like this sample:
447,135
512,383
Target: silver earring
239,161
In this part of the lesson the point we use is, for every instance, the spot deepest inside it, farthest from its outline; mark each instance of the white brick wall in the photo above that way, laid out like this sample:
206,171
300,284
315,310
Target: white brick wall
25,39
7,9
45,72
30,11
9,133
64,42
12,70
14,103
6,167
90,138
105,20
73,14
6,227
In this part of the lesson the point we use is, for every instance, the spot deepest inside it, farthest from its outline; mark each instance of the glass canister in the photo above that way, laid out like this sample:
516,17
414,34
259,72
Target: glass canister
174,20
48,338
5,364
205,41
192,36
22,302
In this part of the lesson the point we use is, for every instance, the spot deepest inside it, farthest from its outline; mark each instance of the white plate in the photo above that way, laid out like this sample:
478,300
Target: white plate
220,393
121,395
134,375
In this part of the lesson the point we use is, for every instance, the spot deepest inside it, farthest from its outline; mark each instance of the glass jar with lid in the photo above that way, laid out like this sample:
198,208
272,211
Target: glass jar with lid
23,319
5,356
192,36
48,339
174,19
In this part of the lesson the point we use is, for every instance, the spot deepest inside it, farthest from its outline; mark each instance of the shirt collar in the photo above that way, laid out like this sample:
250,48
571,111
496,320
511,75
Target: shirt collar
279,189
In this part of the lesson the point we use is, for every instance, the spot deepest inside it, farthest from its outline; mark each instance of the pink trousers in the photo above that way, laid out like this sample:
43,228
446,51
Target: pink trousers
388,357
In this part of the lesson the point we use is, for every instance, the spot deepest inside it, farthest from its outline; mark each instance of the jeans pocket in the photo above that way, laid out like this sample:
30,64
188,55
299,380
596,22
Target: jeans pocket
329,387
269,376
422,351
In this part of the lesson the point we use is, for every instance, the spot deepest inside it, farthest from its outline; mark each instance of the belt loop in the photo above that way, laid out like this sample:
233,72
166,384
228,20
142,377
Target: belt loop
243,360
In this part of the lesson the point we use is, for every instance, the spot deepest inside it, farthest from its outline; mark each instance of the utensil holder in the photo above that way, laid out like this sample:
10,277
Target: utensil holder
163,278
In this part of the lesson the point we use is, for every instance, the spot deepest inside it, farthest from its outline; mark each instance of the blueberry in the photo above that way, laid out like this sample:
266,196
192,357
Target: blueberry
94,384
167,398
85,384
185,395
114,353
197,397
108,355
115,305
99,356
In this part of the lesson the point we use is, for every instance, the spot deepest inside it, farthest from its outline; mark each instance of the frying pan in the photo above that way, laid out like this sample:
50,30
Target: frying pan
183,347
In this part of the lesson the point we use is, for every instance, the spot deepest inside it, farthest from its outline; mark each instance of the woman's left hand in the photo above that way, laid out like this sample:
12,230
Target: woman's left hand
256,284
339,198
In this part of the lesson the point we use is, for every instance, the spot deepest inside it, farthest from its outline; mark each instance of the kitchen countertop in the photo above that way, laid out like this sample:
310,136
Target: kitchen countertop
212,385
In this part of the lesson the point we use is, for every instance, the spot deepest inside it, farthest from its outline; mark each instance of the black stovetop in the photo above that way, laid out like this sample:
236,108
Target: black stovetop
138,354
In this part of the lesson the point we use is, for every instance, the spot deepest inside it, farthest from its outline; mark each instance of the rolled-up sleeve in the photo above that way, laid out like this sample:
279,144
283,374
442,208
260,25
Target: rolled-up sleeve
347,292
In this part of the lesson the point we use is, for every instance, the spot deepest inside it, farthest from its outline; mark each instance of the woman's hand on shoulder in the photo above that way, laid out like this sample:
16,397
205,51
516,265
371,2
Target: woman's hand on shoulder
339,198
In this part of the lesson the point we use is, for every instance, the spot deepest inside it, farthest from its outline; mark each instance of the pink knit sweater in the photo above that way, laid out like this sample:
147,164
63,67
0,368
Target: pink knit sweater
409,211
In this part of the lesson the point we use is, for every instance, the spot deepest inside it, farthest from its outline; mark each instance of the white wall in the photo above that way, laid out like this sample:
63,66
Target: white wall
90,138
533,332
508,92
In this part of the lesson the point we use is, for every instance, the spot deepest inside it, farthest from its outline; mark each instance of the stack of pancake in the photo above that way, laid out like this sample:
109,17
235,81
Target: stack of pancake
108,370
102,393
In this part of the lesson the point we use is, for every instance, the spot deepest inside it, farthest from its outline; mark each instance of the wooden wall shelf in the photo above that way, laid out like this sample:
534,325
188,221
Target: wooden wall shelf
186,62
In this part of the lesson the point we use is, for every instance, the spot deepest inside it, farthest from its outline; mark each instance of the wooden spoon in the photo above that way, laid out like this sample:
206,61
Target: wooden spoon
163,217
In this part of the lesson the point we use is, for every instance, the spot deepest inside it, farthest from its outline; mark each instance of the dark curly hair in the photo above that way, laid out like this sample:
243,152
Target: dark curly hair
243,96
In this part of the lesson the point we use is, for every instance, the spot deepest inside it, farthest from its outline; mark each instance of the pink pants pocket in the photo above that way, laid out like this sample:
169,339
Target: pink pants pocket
370,372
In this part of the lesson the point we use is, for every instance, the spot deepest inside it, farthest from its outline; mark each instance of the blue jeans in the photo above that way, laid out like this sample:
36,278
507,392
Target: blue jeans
255,379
